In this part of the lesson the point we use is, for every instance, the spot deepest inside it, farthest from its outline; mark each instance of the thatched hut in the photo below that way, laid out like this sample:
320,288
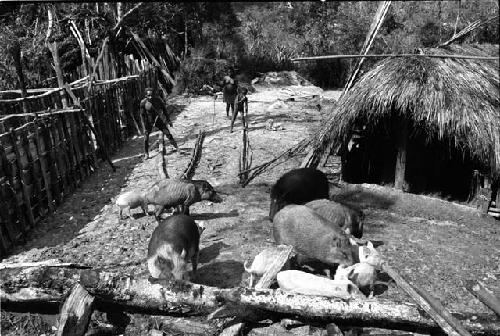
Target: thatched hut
425,124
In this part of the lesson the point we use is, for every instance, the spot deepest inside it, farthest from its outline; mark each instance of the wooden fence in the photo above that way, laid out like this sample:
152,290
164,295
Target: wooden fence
47,153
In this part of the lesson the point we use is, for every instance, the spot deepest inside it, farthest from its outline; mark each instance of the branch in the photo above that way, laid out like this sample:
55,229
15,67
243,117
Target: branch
50,25
124,17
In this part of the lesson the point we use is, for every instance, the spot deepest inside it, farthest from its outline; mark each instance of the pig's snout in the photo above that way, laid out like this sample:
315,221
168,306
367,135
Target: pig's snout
217,199
214,197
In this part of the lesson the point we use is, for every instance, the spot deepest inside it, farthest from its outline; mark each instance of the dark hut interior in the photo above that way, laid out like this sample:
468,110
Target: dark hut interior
437,167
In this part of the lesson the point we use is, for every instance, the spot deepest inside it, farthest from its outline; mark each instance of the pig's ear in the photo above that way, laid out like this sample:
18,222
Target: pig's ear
370,245
183,253
352,241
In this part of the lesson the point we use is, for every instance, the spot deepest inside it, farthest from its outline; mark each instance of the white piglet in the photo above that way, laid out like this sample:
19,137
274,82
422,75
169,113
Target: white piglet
131,200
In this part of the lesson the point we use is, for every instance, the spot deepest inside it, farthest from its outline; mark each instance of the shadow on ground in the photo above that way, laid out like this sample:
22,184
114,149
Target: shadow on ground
211,215
211,252
222,274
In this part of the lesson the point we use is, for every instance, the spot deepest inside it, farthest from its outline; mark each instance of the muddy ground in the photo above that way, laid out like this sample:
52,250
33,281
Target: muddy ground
434,244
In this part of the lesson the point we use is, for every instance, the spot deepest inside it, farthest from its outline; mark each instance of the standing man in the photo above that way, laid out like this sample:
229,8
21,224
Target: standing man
240,106
229,92
154,114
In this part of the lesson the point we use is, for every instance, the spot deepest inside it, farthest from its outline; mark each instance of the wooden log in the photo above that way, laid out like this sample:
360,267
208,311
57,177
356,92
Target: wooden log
233,330
484,295
285,252
442,317
50,285
75,313
277,265
45,263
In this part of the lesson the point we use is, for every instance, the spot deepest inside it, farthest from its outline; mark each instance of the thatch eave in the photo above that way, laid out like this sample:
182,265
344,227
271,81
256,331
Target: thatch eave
453,98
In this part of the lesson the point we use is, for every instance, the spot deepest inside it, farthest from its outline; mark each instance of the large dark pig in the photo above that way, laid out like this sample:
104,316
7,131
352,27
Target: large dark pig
171,193
298,186
312,235
173,244
347,217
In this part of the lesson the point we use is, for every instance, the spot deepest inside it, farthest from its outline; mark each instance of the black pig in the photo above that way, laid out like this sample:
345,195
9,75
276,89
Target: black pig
298,186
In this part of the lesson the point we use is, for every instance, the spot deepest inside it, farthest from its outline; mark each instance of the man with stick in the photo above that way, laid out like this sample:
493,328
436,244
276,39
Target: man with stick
229,92
154,114
240,106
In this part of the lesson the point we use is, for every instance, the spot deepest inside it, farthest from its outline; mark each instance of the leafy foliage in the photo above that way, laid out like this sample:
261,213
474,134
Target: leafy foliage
258,37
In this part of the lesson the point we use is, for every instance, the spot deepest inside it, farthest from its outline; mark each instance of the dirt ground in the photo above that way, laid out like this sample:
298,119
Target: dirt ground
434,244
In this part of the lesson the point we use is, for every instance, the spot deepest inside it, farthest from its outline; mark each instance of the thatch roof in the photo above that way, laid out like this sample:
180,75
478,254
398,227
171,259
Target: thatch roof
443,97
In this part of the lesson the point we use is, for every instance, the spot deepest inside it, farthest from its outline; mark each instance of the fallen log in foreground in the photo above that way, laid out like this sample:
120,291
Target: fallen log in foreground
38,285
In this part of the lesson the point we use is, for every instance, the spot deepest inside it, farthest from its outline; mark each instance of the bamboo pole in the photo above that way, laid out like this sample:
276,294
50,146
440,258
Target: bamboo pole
327,57
431,306
42,153
484,295
25,191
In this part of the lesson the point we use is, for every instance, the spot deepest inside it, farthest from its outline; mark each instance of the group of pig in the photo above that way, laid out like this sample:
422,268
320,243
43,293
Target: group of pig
302,214
320,229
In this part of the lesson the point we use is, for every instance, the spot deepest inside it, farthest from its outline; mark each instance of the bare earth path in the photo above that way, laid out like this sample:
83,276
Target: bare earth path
434,244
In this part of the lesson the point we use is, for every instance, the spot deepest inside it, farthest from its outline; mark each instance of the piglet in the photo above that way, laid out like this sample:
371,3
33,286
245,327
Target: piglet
364,273
131,200
173,244
309,284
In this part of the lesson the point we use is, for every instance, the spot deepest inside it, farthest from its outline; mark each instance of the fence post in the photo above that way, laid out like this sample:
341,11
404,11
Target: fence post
25,191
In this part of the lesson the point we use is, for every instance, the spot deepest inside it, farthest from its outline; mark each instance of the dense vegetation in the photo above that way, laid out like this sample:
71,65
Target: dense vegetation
254,37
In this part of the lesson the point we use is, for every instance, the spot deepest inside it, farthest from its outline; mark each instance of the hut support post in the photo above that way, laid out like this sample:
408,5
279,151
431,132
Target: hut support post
402,143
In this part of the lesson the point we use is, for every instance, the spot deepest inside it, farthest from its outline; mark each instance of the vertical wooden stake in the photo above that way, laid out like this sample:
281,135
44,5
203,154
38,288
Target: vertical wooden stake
76,312
42,156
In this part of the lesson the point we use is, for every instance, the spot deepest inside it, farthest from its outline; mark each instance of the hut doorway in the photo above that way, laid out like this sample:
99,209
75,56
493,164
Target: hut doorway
437,167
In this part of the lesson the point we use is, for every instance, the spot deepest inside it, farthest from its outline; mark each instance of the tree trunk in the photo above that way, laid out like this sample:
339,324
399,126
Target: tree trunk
119,11
55,56
45,286
185,36
402,142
